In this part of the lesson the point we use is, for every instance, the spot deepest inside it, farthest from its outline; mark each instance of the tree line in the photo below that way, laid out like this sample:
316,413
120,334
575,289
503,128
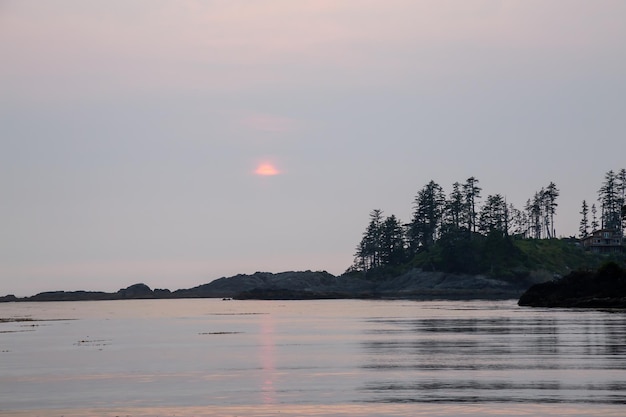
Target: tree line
463,216
612,200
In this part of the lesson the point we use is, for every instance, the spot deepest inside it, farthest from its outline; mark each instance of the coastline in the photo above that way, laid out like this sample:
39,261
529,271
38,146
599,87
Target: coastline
308,285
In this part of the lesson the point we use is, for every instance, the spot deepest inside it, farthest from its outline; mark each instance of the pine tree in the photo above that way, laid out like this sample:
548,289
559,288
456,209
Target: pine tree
392,242
454,208
535,213
609,196
518,221
621,176
549,198
594,218
368,253
471,193
494,215
583,229
427,217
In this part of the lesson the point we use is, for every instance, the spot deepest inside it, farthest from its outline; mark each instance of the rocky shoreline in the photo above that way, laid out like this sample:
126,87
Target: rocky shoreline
605,288
415,284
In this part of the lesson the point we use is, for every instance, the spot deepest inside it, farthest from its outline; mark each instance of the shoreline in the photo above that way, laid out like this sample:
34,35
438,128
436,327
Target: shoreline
309,285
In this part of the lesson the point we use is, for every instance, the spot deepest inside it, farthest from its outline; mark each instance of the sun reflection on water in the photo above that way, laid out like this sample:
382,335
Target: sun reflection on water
268,359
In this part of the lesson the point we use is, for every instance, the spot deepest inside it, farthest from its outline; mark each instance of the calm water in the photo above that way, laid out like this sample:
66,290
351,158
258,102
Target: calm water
332,357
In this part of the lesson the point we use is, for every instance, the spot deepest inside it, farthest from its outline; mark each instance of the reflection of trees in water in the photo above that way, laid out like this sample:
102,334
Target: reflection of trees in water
602,338
268,359
541,337
435,341
615,341
558,358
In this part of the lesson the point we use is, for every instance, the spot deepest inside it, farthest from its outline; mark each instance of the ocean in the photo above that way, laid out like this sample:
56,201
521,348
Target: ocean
213,357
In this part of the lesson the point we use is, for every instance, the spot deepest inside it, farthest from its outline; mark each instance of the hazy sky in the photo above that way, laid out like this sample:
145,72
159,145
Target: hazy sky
134,133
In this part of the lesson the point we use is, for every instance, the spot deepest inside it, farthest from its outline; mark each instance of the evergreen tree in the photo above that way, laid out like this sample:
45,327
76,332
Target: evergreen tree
427,217
383,243
549,202
368,253
583,229
392,251
494,215
518,221
540,211
534,208
528,209
621,176
471,193
594,218
454,208
609,196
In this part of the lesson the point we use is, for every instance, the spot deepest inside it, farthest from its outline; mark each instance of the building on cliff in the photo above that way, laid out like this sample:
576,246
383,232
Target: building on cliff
604,241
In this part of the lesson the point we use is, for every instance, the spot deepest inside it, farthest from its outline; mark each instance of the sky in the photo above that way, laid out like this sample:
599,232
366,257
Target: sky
176,142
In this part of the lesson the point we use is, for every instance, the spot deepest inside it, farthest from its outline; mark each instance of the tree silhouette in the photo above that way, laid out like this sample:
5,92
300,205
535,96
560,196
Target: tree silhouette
427,217
583,229
368,253
611,201
471,192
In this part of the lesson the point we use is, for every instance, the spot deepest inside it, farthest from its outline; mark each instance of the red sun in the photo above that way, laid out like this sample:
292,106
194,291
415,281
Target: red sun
266,169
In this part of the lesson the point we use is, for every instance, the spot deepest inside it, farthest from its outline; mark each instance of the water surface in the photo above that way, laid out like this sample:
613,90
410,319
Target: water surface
330,357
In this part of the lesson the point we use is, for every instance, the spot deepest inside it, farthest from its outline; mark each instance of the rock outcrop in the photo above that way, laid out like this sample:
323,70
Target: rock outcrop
308,284
415,284
304,284
135,291
605,288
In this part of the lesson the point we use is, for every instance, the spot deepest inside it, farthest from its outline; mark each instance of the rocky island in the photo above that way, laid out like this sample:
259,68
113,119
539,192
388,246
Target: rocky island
604,288
485,267
414,284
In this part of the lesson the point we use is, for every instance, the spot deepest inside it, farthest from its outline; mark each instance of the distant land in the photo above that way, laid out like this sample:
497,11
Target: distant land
415,284
453,248
511,266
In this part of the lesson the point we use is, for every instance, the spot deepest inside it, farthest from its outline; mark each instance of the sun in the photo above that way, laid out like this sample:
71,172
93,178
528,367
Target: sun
266,169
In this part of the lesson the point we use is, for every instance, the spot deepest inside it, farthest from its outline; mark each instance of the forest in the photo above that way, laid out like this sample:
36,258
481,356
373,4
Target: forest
462,232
